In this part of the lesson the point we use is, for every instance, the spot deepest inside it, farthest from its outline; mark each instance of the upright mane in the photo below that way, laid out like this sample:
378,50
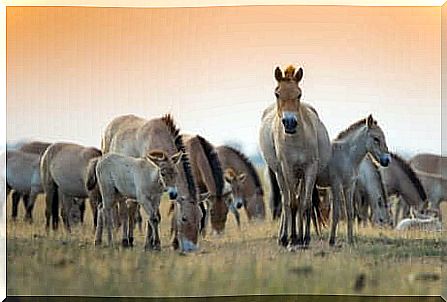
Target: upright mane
214,162
249,166
411,174
178,140
351,128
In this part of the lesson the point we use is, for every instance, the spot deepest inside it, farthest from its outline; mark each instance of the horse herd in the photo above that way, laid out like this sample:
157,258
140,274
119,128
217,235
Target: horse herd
310,177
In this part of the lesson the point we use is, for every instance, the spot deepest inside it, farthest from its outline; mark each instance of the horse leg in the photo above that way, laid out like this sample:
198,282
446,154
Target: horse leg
15,204
94,197
67,204
275,195
82,209
349,195
100,225
132,210
30,205
25,199
306,199
151,206
336,200
286,212
124,218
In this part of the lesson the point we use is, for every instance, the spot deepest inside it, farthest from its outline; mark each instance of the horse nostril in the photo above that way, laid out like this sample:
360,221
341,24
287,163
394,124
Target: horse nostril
238,205
172,195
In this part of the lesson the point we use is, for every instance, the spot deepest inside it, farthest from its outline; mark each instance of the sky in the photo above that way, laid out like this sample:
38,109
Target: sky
71,70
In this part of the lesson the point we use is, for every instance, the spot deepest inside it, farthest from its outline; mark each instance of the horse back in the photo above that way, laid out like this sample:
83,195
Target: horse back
118,131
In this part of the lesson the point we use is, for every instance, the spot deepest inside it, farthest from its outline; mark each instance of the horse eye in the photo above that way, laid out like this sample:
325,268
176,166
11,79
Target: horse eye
299,96
184,219
376,140
277,94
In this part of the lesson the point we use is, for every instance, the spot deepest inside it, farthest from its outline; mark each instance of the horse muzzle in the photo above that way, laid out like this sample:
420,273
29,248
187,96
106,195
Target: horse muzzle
385,160
188,246
172,192
238,203
290,122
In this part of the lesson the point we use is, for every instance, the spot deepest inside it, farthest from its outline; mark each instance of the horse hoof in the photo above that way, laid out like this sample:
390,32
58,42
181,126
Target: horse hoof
306,241
283,241
125,242
332,241
131,241
98,242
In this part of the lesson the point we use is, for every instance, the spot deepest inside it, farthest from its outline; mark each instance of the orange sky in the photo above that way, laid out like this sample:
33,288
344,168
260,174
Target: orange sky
71,70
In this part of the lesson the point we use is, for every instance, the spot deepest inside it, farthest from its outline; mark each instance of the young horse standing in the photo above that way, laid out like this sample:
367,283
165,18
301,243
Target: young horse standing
136,137
348,150
296,147
143,180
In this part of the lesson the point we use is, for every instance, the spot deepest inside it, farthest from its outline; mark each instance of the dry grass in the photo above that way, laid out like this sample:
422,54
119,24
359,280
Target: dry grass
239,262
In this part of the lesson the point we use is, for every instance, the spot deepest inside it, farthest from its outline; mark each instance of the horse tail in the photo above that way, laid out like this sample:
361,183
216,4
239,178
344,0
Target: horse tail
50,189
91,179
275,195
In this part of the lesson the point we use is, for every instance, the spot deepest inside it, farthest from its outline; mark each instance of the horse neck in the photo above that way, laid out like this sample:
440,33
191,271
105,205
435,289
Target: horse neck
356,146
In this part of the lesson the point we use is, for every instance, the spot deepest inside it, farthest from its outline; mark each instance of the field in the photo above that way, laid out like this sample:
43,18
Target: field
245,261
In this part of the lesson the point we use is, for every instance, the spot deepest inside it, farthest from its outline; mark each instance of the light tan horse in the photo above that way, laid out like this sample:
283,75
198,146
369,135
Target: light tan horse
64,169
142,179
296,147
348,150
135,137
245,182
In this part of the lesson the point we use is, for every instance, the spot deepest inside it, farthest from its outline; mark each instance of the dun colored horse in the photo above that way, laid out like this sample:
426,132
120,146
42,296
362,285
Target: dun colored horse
64,169
400,180
370,193
143,180
348,150
295,144
136,137
245,181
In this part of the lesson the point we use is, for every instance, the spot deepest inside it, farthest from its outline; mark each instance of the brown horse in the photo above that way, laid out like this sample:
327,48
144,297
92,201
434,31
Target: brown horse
64,169
401,180
430,163
135,137
244,180
209,177
296,147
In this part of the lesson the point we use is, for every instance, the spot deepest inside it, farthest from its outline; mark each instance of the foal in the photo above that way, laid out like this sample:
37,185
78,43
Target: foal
142,179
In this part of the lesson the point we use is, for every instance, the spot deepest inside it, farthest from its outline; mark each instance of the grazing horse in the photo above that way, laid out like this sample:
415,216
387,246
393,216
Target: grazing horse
432,171
401,180
136,137
64,169
209,177
370,193
26,170
295,144
436,188
245,181
141,179
348,150
430,163
23,177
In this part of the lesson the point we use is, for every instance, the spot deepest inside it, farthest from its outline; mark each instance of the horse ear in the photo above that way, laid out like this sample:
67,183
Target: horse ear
369,121
156,157
177,157
299,75
278,74
229,175
204,196
242,177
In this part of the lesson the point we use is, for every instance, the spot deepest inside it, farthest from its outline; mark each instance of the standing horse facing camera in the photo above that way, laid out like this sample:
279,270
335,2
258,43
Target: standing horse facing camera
295,144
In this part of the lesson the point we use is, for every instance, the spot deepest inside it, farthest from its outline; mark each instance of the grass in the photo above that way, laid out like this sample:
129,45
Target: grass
246,261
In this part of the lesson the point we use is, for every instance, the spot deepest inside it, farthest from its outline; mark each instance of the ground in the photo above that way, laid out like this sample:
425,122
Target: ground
245,261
